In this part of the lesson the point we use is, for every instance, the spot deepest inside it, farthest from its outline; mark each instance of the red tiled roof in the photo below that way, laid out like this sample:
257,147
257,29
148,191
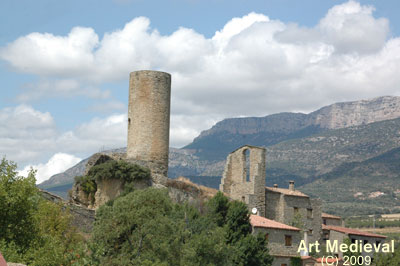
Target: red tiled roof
2,261
258,221
286,191
330,216
350,231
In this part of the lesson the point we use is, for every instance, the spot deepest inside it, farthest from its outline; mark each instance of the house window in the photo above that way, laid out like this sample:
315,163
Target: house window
310,232
295,210
266,236
288,240
353,240
365,242
324,222
309,214
326,236
378,242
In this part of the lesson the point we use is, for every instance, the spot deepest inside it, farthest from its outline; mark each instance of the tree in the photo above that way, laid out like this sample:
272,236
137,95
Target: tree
145,227
237,221
217,208
18,203
388,259
33,230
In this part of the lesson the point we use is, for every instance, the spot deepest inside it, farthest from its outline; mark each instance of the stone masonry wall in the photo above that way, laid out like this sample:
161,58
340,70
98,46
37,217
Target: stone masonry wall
311,224
276,241
234,182
274,206
148,121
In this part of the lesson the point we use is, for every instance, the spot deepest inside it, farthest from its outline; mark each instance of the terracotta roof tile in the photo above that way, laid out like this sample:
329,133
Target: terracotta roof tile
286,191
258,221
330,216
350,231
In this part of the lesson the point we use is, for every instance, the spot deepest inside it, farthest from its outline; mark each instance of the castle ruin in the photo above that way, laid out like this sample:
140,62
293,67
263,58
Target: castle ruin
148,121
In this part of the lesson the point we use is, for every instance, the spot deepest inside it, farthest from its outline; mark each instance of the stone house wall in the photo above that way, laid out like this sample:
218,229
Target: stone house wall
274,206
339,237
330,221
276,241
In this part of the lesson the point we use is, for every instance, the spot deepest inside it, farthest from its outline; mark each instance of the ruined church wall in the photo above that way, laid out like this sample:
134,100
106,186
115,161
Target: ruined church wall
237,185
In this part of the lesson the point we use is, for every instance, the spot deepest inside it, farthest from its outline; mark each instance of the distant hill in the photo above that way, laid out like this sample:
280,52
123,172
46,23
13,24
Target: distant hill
225,136
373,185
328,148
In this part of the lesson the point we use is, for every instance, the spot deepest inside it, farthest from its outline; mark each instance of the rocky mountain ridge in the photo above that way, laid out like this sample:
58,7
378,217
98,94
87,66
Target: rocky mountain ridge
303,147
334,116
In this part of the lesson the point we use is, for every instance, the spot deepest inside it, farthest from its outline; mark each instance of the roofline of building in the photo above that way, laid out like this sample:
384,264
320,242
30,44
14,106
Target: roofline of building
276,228
272,190
330,216
345,230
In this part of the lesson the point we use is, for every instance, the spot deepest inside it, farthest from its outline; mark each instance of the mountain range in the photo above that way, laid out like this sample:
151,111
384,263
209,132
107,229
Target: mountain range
343,153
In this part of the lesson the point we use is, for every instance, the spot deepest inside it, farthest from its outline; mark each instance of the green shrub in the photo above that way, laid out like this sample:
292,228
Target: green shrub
112,169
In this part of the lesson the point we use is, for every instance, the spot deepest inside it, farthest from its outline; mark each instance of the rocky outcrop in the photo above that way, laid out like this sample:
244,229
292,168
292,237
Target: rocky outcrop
347,114
106,189
338,115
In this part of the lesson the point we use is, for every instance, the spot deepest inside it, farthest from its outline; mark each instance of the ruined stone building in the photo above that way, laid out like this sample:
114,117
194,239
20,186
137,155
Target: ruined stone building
284,215
148,121
148,146
244,177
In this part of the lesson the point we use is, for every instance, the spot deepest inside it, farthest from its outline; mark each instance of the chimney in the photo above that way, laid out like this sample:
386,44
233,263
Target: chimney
275,185
291,185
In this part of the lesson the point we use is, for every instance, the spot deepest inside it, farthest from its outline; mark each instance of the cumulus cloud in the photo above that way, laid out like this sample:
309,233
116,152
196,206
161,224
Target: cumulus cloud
253,66
58,163
62,88
30,137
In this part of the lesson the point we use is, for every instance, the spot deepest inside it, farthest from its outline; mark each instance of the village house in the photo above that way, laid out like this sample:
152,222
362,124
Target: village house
329,219
290,206
338,233
283,240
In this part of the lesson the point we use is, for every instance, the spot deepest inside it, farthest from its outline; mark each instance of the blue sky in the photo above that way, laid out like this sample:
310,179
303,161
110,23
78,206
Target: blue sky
64,66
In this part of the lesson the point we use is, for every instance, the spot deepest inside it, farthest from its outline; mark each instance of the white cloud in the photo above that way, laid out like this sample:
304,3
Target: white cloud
47,54
58,163
64,88
352,28
25,132
29,137
252,66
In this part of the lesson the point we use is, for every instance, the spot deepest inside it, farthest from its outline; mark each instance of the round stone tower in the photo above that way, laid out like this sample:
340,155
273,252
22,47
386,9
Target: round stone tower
148,121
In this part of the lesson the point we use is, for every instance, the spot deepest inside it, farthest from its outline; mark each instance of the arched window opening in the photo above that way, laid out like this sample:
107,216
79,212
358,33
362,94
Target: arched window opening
246,154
